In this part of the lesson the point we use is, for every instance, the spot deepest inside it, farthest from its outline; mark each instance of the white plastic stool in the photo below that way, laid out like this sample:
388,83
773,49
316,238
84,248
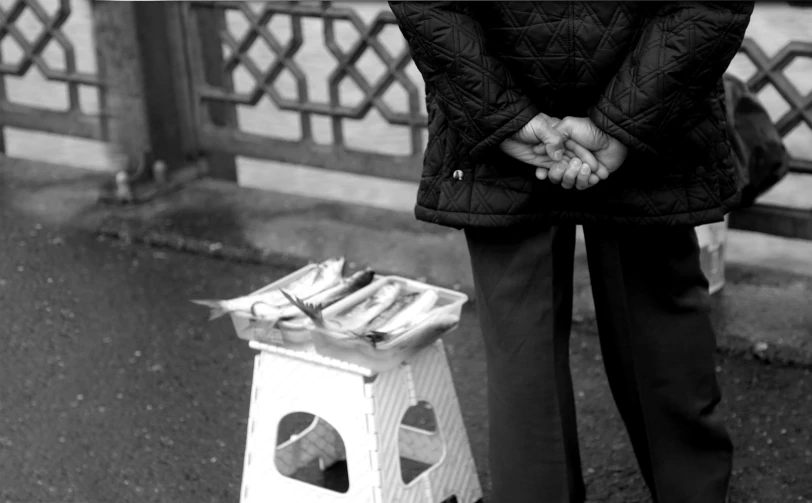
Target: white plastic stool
367,411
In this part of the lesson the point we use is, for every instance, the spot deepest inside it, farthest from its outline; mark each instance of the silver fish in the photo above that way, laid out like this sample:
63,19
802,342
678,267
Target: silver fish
273,304
401,302
347,286
351,323
430,327
422,304
330,296
358,317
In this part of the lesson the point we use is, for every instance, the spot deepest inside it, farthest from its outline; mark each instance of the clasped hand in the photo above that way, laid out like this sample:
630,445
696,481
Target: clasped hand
571,152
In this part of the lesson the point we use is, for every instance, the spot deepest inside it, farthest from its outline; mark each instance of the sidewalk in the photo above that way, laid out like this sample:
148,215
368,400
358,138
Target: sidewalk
118,389
764,304
769,281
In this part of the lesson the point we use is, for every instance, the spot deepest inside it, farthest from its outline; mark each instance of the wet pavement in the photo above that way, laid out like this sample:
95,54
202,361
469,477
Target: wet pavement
116,388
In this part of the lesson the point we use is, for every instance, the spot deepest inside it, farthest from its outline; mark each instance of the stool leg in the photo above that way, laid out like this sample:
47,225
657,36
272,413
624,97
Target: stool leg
341,407
426,377
457,474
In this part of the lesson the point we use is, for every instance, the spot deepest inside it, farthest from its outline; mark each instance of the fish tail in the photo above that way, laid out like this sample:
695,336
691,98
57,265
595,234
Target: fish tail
217,307
311,311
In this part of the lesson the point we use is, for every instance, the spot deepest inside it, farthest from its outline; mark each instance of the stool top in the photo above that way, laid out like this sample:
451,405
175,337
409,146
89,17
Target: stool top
308,353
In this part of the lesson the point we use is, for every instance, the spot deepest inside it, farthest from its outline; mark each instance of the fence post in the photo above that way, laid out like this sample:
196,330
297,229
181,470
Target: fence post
166,81
119,64
209,22
142,49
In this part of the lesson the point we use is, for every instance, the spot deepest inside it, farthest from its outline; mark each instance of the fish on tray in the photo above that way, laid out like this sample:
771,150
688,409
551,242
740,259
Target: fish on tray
401,302
424,331
368,309
330,296
273,304
384,317
350,324
420,305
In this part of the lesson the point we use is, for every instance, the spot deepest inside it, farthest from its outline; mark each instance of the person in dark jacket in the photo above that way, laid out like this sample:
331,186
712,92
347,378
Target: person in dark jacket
547,115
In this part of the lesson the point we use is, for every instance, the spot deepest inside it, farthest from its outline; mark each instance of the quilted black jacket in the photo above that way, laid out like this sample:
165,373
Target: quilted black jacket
649,74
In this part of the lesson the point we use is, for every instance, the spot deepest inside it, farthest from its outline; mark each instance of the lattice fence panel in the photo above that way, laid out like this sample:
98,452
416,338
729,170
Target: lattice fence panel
282,78
364,69
795,90
39,55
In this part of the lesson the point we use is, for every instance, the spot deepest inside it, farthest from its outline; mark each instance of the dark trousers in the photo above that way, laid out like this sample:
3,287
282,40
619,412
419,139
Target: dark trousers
658,345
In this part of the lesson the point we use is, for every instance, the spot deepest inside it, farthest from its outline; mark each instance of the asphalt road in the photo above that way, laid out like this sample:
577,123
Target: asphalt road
116,388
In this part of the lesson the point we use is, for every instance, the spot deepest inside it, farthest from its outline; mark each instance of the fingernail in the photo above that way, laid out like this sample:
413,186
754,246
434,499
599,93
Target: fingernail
585,169
557,155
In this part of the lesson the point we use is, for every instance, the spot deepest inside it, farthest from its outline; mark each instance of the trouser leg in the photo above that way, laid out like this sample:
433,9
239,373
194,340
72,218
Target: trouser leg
652,304
523,285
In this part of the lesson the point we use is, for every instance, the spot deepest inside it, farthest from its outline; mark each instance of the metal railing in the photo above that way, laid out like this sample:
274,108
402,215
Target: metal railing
71,122
770,70
768,218
179,101
229,138
226,136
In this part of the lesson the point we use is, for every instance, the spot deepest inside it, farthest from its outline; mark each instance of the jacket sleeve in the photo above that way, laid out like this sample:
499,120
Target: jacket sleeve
679,57
472,88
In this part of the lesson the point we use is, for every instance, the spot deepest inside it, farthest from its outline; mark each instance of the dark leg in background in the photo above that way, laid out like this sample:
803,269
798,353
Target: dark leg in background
652,304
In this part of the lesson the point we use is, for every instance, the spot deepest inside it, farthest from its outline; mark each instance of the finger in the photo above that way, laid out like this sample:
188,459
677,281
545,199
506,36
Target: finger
541,173
571,173
583,153
552,140
603,172
555,148
582,181
540,130
522,152
556,172
544,161
593,180
541,150
585,131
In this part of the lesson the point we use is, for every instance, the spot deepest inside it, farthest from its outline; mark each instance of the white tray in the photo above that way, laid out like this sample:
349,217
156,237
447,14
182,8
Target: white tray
251,329
388,354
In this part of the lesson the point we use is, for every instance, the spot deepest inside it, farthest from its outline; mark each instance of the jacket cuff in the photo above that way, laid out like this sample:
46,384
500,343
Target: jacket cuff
608,126
484,149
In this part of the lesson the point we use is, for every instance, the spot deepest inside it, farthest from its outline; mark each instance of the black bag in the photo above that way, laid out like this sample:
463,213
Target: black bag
759,151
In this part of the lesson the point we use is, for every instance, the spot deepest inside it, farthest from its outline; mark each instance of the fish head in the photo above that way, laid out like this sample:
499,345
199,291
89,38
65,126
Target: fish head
364,276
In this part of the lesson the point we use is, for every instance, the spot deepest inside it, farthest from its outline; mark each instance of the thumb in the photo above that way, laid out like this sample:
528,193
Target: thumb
584,132
540,130
552,139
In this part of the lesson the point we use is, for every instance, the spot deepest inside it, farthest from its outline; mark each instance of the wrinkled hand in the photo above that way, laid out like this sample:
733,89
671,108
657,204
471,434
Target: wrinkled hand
601,152
553,145
538,144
